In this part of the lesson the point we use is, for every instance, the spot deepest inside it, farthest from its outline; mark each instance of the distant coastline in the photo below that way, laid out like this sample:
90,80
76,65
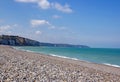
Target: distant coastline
21,41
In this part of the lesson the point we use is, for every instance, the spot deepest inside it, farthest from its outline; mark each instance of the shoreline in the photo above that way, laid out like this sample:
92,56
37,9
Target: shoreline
75,59
64,69
65,57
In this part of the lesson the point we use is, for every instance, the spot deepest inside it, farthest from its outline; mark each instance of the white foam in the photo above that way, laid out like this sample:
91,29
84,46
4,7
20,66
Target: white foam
111,65
29,51
18,48
84,60
63,57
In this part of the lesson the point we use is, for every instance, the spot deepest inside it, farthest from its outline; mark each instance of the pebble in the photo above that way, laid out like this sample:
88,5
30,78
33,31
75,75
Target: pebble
19,67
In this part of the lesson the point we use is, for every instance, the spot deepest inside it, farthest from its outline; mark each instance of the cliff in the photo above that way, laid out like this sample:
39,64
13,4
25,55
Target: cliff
17,41
21,41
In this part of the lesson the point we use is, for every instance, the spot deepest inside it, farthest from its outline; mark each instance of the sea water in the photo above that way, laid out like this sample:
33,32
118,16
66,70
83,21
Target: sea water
108,56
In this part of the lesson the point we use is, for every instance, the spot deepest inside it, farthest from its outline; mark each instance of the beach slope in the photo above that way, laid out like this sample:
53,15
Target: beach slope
22,66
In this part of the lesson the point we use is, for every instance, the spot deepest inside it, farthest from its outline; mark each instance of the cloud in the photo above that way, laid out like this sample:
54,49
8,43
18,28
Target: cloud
66,8
36,23
4,28
27,1
56,16
45,4
47,24
38,32
9,32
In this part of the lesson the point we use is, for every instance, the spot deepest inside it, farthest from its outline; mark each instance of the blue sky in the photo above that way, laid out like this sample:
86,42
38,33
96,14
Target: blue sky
95,23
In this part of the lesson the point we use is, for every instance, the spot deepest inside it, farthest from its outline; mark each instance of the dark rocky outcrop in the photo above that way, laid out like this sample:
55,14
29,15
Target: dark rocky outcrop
20,41
17,41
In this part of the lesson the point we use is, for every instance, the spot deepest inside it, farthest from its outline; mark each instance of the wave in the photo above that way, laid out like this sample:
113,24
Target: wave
19,48
63,57
111,65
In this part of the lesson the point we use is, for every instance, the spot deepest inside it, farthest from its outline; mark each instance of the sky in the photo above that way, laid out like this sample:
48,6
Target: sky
95,23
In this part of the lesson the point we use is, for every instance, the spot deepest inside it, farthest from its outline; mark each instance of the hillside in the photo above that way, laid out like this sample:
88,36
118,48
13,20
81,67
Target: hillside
17,41
21,41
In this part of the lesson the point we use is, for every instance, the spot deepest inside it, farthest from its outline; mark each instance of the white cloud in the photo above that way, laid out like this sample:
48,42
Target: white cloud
47,24
27,1
36,23
56,16
66,8
9,32
38,32
45,4
4,28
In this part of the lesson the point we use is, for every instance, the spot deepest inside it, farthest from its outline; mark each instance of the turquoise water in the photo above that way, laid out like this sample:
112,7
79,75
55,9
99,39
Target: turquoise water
107,56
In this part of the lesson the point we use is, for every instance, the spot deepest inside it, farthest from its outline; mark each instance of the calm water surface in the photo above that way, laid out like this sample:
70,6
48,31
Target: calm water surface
109,56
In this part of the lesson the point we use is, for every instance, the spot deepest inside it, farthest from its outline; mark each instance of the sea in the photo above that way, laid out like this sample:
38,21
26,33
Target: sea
107,56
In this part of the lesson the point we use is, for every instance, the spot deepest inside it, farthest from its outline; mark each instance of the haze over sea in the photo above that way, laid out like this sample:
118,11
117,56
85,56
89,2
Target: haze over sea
108,56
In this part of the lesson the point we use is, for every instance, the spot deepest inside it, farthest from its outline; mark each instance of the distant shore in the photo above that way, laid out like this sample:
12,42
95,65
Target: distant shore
17,65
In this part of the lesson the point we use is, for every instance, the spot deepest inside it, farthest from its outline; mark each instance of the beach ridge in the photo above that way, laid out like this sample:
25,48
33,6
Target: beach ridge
22,66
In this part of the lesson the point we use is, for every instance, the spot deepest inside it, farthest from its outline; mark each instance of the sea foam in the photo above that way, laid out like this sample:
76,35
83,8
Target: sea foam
63,57
111,65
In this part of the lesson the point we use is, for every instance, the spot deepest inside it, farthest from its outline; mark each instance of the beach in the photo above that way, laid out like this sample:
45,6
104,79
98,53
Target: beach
23,66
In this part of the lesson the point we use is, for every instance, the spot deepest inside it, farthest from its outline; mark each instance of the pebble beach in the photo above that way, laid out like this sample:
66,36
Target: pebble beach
22,66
